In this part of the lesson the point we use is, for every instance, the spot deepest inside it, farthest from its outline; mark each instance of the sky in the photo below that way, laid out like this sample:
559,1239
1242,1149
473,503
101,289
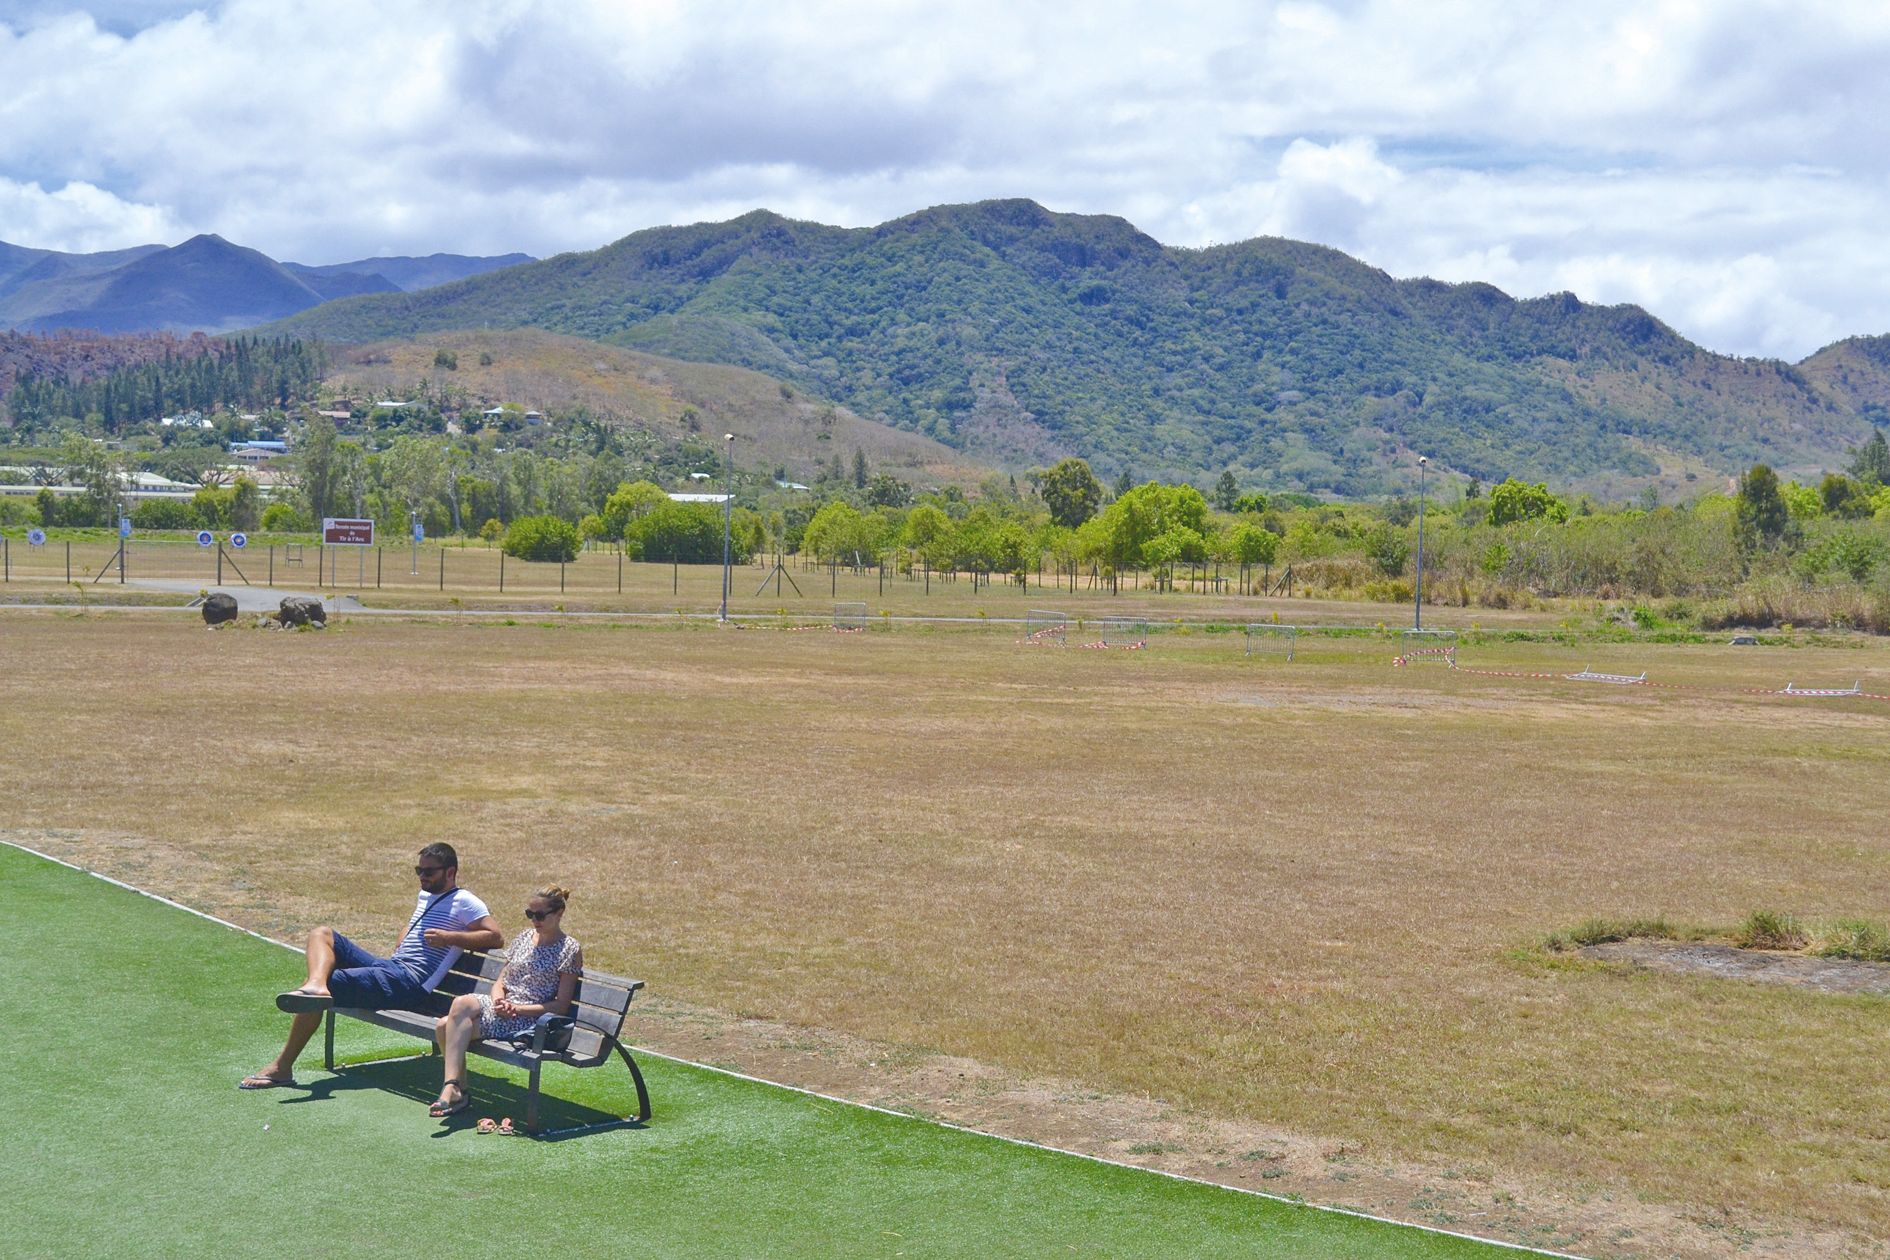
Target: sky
1723,164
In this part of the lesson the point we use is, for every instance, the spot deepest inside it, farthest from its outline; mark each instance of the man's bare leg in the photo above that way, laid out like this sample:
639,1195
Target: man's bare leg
321,960
282,1068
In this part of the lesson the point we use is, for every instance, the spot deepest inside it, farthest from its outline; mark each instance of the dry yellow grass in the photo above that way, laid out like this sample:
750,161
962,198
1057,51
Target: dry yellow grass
1303,894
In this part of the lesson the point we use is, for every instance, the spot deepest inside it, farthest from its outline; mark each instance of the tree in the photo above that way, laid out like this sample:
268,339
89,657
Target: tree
1387,548
1125,482
628,502
1844,498
1515,500
859,469
1226,491
1870,463
1760,518
1254,545
928,531
886,490
316,465
95,471
541,538
245,503
689,533
1071,492
839,532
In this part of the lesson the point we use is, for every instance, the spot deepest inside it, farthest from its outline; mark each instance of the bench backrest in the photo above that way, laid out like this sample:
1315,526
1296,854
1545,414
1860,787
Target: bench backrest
602,1000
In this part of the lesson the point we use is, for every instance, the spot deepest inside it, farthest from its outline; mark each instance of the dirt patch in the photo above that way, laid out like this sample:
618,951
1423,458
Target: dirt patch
1146,1131
1826,975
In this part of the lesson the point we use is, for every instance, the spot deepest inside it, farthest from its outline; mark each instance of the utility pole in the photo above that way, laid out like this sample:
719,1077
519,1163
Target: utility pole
1417,610
728,517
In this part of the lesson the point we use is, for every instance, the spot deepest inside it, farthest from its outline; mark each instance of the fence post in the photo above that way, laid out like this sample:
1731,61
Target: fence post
673,575
6,559
620,570
442,570
68,560
501,570
560,577
219,562
377,567
320,555
272,564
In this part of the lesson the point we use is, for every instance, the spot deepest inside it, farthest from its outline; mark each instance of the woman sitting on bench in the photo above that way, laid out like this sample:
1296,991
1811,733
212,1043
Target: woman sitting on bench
540,977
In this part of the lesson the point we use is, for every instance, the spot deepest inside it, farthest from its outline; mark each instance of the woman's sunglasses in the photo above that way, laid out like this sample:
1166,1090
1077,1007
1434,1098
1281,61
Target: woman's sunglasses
539,916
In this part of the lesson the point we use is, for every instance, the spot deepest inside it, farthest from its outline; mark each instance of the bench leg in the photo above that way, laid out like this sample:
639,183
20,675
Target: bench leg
643,1093
531,1100
328,1040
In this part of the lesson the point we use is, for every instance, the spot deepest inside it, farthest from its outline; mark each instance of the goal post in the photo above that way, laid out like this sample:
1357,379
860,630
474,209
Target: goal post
1427,647
1122,632
1270,638
1043,626
850,617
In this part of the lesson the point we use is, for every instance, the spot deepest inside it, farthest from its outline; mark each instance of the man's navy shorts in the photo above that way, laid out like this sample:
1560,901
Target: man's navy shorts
378,984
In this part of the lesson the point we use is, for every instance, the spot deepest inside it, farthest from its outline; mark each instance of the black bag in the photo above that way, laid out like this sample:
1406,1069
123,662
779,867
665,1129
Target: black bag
556,1028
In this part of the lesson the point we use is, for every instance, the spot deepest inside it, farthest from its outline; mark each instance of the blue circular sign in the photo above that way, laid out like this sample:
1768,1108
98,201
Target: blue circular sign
36,536
205,538
239,541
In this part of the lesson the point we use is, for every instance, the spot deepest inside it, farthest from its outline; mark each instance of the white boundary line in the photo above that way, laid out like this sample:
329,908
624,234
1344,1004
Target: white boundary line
888,1111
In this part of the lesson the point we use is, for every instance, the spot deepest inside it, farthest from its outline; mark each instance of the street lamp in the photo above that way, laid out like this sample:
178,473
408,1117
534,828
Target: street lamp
1417,608
728,514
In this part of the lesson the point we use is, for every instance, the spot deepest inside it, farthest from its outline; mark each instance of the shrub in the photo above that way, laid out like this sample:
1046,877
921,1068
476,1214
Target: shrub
491,530
282,518
18,512
1604,931
1767,929
446,359
166,514
1855,939
541,538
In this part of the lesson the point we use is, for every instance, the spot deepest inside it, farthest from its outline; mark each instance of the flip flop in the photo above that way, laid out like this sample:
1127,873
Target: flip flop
488,1125
299,1002
505,1127
262,1080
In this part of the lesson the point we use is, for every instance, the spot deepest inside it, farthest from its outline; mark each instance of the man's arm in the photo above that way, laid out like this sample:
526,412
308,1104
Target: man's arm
483,934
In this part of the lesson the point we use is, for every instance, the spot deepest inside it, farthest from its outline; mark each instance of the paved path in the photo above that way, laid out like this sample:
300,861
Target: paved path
249,599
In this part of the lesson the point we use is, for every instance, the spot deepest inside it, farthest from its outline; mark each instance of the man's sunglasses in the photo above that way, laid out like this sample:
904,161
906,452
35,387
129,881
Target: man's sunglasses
539,916
426,871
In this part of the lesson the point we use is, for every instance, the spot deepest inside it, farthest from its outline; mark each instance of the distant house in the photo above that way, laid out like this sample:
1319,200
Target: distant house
189,420
534,417
790,485
699,498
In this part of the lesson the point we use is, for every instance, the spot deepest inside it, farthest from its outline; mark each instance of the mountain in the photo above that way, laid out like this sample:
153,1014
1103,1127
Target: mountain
1017,335
205,284
409,274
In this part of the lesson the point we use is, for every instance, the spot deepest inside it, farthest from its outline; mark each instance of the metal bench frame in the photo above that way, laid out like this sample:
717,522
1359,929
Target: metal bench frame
602,1002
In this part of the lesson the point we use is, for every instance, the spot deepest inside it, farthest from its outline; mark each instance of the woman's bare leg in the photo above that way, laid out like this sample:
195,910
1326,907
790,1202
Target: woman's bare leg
461,1022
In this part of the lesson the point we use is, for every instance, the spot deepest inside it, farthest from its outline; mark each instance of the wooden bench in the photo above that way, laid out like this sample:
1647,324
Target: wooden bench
602,1002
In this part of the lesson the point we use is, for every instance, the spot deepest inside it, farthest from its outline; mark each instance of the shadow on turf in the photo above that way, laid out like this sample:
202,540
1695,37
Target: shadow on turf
418,1079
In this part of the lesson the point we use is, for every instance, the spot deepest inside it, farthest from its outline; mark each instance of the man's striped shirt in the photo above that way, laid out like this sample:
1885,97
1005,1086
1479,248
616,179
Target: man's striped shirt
453,911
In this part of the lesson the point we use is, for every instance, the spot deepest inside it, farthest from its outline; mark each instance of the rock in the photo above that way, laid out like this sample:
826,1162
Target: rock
302,610
219,608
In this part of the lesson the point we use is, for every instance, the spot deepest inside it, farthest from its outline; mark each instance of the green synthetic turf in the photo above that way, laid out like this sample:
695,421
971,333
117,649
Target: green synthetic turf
125,1024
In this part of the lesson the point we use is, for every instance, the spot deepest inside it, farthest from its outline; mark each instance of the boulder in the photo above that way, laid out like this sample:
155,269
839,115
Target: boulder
219,608
302,610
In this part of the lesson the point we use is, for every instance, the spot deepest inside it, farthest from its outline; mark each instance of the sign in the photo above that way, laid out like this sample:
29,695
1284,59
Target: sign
124,527
205,538
36,536
239,541
343,532
419,532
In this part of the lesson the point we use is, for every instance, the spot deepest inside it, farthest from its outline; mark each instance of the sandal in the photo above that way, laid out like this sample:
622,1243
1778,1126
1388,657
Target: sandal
262,1080
488,1125
441,1109
301,1001
505,1127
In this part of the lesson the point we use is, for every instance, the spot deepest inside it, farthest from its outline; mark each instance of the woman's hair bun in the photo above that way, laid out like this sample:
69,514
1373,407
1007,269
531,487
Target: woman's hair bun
556,894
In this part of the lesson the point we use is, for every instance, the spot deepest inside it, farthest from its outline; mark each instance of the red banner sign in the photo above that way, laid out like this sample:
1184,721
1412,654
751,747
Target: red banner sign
347,533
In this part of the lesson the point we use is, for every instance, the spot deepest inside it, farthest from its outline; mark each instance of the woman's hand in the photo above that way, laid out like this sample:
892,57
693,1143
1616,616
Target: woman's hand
505,1007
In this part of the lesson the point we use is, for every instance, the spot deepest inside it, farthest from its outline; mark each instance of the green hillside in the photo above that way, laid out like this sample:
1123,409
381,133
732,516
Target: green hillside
1018,335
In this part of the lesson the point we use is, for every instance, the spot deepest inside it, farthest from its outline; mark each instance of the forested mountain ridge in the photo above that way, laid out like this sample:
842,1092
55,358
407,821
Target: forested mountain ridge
205,284
1018,335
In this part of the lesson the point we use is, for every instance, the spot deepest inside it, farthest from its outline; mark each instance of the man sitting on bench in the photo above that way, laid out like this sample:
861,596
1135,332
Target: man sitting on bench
446,920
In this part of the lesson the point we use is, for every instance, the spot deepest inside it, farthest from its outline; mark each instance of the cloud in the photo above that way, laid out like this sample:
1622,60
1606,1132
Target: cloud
1721,163
80,218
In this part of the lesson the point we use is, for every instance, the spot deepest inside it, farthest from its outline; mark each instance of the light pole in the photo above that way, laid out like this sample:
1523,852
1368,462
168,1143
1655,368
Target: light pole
413,528
728,515
1417,608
